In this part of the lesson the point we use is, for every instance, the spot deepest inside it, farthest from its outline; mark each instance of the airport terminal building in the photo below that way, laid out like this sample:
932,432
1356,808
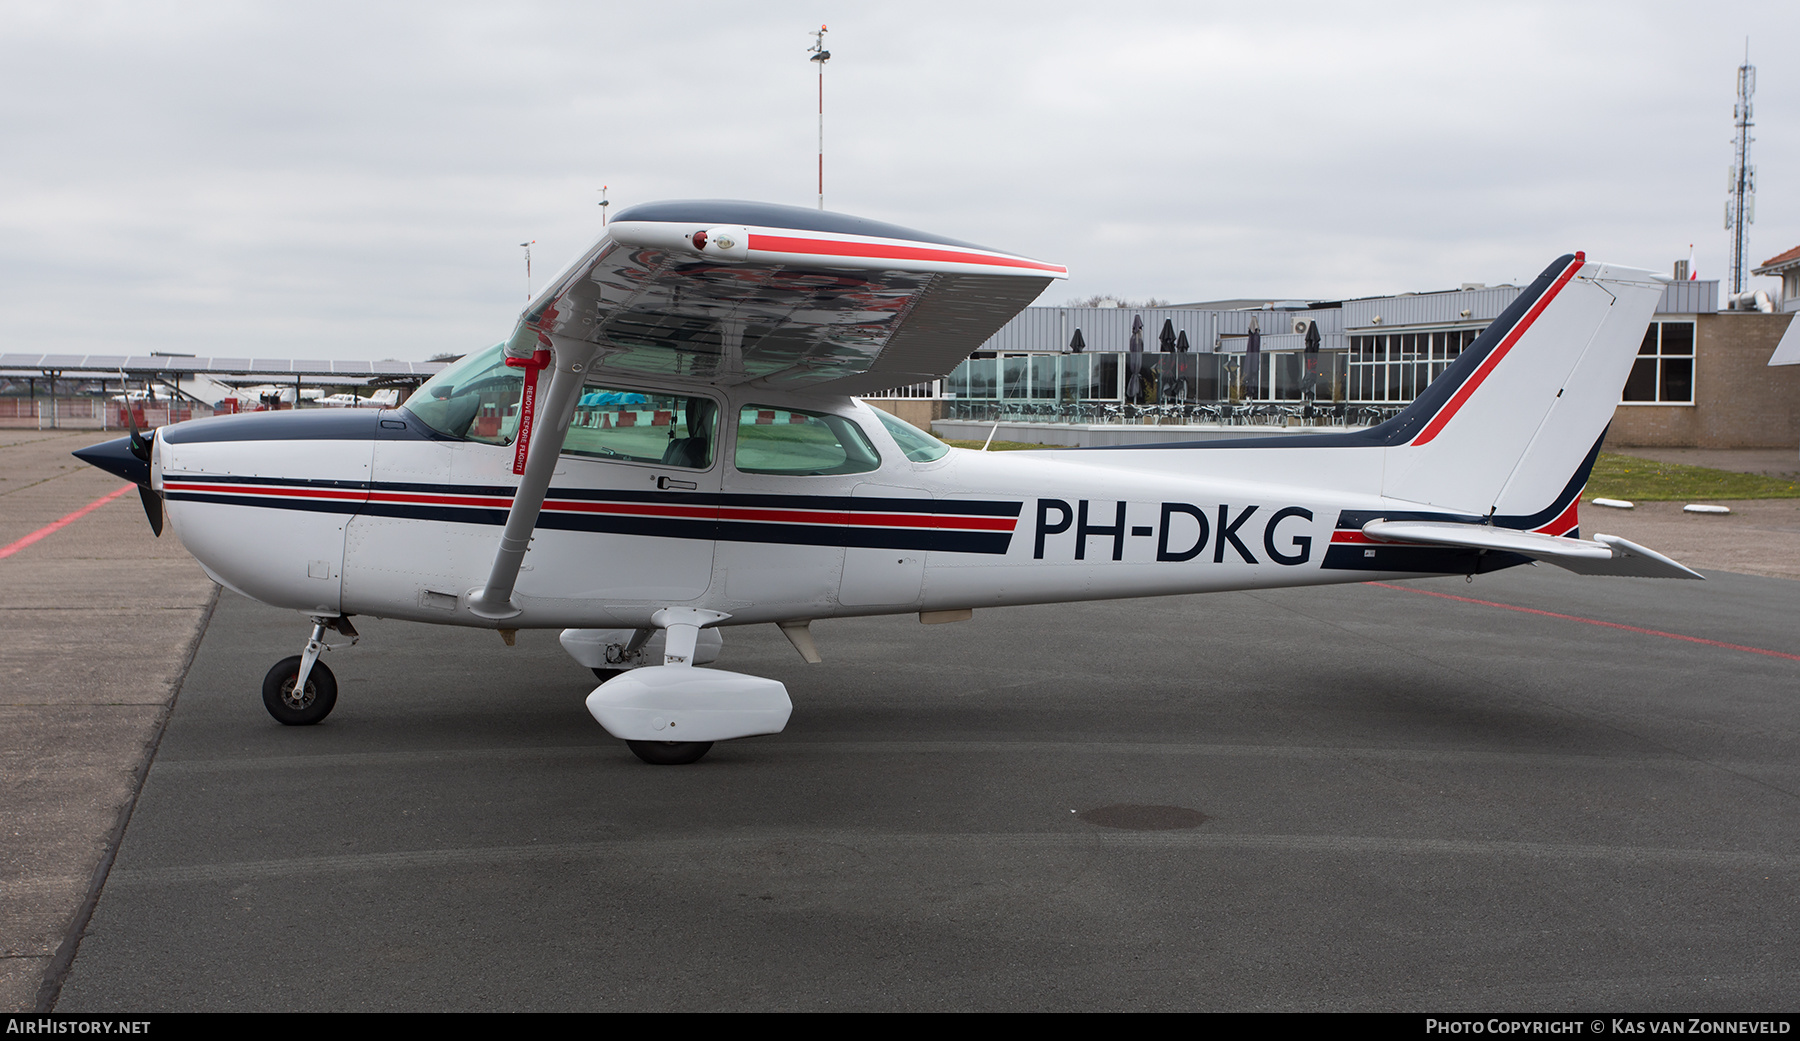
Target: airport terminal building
1058,374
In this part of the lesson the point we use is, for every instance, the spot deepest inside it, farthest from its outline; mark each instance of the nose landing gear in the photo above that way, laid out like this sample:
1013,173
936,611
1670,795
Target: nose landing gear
300,691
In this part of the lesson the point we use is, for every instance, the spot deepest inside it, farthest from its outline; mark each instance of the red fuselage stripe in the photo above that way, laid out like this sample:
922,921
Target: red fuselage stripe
1493,360
338,494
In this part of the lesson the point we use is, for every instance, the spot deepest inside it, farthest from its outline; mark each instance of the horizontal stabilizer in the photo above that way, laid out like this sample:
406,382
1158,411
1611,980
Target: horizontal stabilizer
1605,555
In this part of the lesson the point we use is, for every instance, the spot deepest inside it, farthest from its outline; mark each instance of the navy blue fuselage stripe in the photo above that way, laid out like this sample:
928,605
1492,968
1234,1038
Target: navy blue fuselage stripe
1434,560
989,542
778,533
273,503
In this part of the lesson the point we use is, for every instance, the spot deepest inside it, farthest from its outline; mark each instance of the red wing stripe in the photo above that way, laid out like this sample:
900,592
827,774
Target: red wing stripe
1488,364
884,251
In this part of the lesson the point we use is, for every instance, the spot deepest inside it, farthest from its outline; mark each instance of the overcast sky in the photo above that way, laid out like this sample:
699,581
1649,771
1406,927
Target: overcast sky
353,180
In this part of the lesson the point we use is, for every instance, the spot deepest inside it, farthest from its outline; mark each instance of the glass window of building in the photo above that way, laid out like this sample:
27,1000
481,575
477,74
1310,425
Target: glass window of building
1664,371
1397,367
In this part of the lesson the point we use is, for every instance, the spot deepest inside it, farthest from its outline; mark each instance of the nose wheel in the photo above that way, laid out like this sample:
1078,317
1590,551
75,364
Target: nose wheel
301,691
300,706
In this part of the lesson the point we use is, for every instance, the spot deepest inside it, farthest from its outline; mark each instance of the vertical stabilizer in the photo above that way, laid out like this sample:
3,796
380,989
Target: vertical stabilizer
1519,413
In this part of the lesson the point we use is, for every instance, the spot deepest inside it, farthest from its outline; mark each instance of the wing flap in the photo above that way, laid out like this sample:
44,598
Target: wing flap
1605,555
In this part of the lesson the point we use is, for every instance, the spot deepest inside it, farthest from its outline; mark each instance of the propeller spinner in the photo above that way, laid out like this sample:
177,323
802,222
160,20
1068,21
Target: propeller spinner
129,457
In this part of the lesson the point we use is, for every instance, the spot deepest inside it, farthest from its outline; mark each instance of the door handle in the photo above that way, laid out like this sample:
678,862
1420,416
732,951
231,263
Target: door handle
670,482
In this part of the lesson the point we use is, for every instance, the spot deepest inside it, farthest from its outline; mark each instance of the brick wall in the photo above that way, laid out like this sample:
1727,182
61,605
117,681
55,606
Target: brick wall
1739,402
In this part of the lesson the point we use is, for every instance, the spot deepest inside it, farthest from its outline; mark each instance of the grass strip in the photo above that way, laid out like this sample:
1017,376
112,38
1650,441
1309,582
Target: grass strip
1646,480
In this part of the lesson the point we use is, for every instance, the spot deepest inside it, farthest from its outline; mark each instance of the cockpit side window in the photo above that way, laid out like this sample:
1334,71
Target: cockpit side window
644,427
786,441
477,399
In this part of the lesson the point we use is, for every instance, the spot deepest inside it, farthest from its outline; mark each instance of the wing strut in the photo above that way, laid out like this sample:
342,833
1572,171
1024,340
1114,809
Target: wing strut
553,411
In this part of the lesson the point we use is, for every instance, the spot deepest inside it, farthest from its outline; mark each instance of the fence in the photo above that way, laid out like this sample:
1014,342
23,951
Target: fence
91,413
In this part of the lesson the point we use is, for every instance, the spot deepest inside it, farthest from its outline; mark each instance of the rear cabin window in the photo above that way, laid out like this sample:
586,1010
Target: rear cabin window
914,443
642,427
801,444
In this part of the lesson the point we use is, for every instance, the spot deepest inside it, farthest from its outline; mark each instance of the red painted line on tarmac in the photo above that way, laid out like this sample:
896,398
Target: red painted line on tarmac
1593,621
54,526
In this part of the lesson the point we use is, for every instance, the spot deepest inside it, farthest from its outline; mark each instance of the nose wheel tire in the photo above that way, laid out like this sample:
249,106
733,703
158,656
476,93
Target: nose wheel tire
669,753
306,707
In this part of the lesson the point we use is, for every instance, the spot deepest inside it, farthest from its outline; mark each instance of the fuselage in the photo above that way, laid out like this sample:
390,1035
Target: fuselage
375,512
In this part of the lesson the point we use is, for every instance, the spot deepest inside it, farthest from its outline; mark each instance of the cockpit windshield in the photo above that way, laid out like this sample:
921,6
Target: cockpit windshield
476,398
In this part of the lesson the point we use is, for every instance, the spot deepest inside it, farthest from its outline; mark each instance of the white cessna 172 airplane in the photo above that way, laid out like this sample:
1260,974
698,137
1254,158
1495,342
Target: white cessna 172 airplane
670,443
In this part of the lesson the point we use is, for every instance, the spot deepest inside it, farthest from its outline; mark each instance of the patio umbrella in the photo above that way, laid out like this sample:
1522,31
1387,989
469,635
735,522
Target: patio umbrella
1253,360
1134,362
1181,342
1167,337
1311,380
1076,343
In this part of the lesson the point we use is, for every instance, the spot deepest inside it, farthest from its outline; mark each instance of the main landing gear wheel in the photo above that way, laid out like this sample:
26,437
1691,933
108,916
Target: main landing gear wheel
669,753
302,708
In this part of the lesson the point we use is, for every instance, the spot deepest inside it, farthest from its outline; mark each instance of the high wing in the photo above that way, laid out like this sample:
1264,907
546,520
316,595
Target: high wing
726,292
732,292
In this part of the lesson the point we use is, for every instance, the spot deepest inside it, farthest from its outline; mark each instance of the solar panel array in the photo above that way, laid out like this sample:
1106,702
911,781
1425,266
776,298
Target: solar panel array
273,367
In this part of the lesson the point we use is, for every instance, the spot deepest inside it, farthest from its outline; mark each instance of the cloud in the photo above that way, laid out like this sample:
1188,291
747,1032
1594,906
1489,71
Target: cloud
353,181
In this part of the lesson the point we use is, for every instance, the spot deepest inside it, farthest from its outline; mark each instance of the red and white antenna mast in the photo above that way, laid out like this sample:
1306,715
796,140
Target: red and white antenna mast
821,55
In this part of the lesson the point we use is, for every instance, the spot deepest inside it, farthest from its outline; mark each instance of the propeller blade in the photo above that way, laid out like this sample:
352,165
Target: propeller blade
129,457
139,446
153,509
